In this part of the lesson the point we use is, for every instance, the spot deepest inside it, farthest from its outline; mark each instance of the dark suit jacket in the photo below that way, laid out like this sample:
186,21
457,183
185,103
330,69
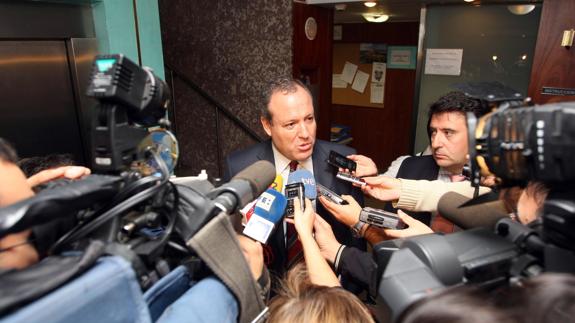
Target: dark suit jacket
417,167
323,173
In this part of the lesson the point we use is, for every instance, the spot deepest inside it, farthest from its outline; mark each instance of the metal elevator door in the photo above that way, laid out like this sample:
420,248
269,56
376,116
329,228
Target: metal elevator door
38,112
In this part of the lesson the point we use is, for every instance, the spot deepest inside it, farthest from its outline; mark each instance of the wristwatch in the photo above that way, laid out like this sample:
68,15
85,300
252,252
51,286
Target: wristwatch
356,229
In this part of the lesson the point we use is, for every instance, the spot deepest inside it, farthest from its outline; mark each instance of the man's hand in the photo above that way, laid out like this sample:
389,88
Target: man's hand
365,166
325,239
415,228
69,172
382,188
346,214
253,253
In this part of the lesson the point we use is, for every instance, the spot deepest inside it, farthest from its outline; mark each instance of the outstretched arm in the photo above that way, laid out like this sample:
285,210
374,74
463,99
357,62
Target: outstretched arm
319,270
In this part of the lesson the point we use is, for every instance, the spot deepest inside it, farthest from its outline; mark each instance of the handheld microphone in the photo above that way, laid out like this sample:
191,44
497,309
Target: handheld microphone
485,215
306,178
249,209
268,211
301,183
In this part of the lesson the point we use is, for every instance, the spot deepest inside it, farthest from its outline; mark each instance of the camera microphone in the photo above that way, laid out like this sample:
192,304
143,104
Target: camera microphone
451,206
246,186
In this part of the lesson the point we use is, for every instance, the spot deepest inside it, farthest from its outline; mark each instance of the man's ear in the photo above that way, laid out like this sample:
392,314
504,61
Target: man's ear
267,125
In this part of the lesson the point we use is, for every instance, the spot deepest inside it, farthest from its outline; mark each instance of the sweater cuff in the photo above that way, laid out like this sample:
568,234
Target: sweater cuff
409,195
338,258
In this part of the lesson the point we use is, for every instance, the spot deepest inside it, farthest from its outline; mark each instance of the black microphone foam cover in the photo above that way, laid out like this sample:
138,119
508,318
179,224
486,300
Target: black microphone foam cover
259,174
483,215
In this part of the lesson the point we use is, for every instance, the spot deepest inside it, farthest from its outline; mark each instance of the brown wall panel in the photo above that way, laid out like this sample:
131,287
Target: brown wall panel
312,58
553,65
382,134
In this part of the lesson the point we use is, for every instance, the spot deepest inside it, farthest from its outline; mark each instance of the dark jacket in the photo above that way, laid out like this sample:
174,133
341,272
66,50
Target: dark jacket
417,168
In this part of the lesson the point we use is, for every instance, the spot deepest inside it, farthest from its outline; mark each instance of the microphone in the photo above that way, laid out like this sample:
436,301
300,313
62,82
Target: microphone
268,211
246,186
248,210
300,184
195,210
485,215
306,178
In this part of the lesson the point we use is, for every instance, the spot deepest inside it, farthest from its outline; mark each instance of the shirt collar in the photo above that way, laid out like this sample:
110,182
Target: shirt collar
282,162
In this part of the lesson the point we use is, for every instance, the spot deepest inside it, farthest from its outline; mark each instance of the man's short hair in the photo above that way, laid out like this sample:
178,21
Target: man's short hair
285,85
7,152
457,102
34,165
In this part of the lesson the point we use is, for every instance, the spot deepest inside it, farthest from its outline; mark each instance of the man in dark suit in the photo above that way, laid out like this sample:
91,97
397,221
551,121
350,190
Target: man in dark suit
289,119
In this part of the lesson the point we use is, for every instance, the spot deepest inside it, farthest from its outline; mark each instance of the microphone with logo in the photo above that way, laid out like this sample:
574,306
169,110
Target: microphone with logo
268,212
300,185
249,209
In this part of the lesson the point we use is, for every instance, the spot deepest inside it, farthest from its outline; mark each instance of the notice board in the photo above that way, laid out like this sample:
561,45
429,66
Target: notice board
350,52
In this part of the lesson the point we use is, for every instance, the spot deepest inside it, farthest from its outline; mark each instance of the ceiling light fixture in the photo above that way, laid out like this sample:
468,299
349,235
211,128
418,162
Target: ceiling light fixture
374,17
521,9
370,4
468,0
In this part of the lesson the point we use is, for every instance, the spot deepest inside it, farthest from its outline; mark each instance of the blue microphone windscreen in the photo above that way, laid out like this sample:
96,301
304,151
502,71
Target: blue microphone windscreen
271,205
305,177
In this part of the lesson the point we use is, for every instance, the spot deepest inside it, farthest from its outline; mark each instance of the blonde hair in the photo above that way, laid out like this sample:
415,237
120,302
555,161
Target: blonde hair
299,300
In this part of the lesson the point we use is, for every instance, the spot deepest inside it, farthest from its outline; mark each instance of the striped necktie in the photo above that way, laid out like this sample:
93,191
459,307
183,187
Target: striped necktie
294,247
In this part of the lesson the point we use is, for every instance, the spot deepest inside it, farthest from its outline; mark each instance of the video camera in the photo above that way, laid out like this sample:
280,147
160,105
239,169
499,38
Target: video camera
129,201
515,143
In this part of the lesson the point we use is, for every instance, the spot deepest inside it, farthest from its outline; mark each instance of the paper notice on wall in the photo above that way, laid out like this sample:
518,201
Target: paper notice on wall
377,90
360,81
443,61
378,72
337,82
348,73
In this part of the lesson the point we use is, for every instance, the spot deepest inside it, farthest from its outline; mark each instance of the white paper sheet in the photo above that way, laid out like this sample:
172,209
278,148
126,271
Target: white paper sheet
443,61
377,90
337,82
348,73
360,81
378,72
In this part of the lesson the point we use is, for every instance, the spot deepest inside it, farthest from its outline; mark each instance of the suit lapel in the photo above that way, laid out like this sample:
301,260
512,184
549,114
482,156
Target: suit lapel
267,153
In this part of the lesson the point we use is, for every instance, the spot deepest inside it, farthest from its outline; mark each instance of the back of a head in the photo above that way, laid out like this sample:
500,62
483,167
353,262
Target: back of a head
461,304
300,301
548,298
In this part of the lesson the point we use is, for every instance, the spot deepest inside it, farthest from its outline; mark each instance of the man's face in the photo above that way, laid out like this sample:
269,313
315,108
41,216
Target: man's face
292,126
449,140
